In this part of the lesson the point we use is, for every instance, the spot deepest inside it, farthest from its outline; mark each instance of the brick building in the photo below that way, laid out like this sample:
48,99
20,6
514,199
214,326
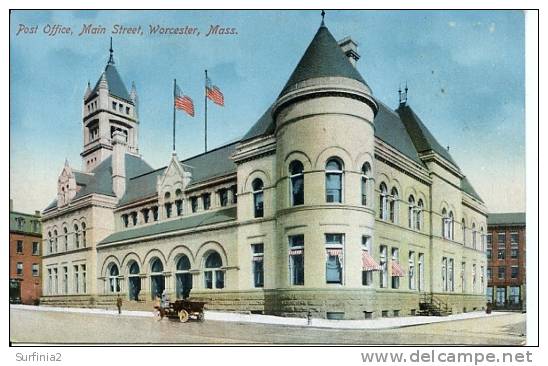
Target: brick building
506,255
25,257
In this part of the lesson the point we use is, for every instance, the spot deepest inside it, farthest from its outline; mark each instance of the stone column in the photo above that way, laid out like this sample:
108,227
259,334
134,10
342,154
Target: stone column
144,293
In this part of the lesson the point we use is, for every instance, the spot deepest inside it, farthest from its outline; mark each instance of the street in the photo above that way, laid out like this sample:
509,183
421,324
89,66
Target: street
27,326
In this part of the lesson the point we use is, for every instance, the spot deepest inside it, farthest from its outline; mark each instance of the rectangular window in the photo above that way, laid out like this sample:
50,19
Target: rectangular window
206,200
451,274
501,253
444,273
49,283
145,213
257,251
19,246
84,283
127,110
474,279
333,185
514,294
65,280
179,207
168,207
421,271
514,239
489,240
19,268
208,278
194,204
489,253
35,247
334,244
515,271
76,280
35,270
155,213
501,295
411,270
367,275
114,105
502,272
383,262
501,238
489,274
514,253
296,259
395,258
223,197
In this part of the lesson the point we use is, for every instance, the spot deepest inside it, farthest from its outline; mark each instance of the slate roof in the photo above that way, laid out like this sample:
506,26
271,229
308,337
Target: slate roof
116,86
189,222
264,126
322,58
466,186
508,218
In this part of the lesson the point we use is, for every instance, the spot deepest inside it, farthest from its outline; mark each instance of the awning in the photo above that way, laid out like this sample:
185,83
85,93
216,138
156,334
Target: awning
368,263
295,251
397,270
334,252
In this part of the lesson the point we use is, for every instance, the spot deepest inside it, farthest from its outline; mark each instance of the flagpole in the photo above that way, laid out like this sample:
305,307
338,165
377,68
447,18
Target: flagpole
174,93
205,101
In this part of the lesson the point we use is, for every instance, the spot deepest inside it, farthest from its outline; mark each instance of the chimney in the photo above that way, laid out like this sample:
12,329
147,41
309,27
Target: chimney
350,49
119,146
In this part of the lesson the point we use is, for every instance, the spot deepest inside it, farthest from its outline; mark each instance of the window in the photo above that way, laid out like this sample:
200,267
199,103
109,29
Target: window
514,253
213,274
157,278
145,212
383,204
474,279
501,238
296,259
167,205
412,270
50,241
35,248
513,295
206,200
384,266
501,253
125,220
19,246
76,283
84,234
482,238
502,271
444,224
223,197
421,272
514,239
194,204
489,274
419,215
515,271
113,280
333,181
55,238
501,295
451,225
334,244
120,107
451,275
134,281
35,270
257,251
258,197
444,273
133,218
463,276
463,228
65,280
76,237
474,235
179,207
127,110
114,105
366,176
19,268
489,240
482,279
394,203
183,277
489,253
65,238
155,213
411,212
84,281
368,263
296,178
397,271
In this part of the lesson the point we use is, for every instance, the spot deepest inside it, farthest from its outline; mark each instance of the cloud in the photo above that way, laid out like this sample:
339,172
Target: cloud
452,24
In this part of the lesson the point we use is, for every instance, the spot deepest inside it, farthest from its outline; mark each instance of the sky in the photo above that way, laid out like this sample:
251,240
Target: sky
464,69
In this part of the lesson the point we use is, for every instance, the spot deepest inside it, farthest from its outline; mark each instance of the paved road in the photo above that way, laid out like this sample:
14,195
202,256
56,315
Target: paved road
29,326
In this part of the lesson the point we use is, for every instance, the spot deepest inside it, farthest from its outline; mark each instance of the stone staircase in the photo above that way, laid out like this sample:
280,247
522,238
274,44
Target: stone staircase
431,305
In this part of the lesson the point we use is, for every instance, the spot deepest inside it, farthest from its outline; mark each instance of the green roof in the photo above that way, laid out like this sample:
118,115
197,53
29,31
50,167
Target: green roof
209,218
323,58
26,222
508,218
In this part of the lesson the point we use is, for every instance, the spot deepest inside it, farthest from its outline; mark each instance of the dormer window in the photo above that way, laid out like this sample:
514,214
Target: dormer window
127,110
120,107
114,105
125,220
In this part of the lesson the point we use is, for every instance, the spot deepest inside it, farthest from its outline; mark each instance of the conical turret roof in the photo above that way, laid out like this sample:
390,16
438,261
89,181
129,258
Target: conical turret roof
323,58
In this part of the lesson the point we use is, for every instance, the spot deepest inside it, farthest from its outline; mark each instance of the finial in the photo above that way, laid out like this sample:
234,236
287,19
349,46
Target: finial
111,58
323,16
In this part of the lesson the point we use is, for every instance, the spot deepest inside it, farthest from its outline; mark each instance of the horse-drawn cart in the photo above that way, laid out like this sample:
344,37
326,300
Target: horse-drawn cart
184,309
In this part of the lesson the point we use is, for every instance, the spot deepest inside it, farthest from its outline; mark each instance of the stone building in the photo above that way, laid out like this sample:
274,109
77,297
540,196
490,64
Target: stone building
506,260
331,203
25,257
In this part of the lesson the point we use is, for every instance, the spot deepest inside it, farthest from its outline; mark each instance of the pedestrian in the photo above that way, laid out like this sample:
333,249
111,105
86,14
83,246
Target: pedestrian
119,304
309,317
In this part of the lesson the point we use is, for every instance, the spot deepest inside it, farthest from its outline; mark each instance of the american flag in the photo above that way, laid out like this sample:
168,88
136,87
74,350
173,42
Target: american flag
214,93
183,102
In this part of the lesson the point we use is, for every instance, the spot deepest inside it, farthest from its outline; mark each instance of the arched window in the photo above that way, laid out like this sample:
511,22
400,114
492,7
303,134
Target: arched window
65,238
113,280
50,242
133,218
463,228
76,236
84,234
482,239
394,205
55,238
451,225
214,276
366,176
258,197
179,202
333,181
419,215
474,240
125,220
183,277
134,281
157,279
383,204
297,182
412,212
444,224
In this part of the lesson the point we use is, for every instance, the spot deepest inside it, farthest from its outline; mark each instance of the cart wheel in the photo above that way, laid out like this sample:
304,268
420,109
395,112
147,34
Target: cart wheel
201,317
183,316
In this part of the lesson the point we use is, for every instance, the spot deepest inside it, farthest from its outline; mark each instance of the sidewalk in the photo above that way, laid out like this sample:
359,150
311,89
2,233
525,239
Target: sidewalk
381,323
